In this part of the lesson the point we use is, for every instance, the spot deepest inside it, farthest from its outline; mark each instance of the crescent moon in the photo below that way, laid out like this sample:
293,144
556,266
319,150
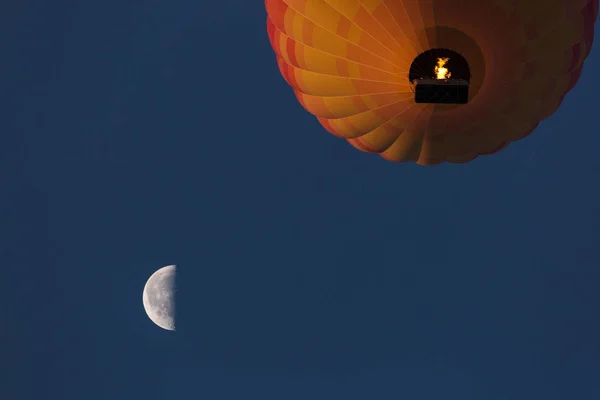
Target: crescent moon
159,297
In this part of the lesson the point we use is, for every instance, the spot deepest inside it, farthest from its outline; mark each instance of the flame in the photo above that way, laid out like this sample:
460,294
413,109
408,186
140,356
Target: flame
440,70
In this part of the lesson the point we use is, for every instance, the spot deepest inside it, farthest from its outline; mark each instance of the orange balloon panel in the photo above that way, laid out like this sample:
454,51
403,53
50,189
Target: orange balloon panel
348,62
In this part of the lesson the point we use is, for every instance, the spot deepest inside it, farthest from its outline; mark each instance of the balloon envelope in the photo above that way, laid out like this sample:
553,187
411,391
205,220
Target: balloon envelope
356,65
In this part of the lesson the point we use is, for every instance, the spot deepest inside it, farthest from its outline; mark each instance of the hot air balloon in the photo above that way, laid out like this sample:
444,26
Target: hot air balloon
431,81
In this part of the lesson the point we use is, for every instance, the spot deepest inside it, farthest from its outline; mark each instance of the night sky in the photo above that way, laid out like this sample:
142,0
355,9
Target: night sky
137,134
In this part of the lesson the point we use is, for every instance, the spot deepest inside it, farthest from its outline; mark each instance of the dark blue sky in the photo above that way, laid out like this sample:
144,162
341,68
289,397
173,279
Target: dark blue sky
137,134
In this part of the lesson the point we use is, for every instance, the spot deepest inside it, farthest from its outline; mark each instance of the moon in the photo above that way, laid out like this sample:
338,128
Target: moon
159,297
